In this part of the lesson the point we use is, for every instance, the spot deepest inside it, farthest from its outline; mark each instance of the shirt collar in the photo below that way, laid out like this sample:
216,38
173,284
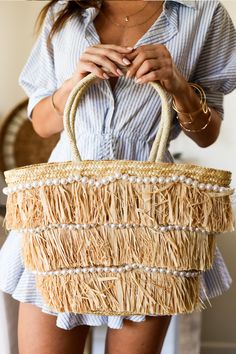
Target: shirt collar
189,3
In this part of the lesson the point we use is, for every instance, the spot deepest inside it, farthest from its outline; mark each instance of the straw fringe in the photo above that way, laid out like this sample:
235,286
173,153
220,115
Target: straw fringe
121,202
58,249
121,294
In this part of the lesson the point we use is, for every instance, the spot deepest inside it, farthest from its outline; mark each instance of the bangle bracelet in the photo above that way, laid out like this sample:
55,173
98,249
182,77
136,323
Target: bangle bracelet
54,106
203,103
200,129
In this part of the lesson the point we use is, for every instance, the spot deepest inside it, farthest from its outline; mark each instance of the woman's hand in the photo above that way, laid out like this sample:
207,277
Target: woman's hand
103,60
152,63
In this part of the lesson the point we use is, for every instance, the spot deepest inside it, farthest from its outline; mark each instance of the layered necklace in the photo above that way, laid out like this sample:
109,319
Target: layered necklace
126,18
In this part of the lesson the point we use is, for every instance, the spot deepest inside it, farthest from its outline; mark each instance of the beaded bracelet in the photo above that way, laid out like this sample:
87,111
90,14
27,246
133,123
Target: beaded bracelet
54,106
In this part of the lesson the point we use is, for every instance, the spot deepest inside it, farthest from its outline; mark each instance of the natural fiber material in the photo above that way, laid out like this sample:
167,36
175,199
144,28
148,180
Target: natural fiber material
121,294
174,221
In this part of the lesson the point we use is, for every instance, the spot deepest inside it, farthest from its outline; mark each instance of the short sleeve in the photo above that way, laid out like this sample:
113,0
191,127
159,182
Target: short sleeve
216,68
38,75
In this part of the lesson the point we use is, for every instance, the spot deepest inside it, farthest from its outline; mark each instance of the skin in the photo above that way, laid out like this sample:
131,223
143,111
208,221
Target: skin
145,63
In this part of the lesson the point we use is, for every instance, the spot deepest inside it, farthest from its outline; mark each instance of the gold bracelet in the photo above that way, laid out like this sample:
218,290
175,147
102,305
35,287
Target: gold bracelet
203,103
200,129
54,106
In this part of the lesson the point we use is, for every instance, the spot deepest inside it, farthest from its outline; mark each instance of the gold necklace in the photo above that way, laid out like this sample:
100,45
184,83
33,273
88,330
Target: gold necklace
126,26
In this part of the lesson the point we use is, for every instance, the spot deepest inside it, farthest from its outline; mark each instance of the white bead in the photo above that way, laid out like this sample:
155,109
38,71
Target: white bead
71,271
49,182
132,179
182,274
71,227
154,179
111,178
63,271
118,175
196,229
139,180
182,178
70,179
202,186
175,178
216,188
175,272
177,227
189,181
147,180
168,179
35,184
99,269
127,267
86,226
170,227
161,179
78,270
105,180
77,178
195,183
84,270
222,189
140,266
168,271
120,269
91,182
5,190
209,186
188,274
84,179
14,189
163,228
147,269
97,183
120,225
162,270
91,269
154,270
64,226
113,269
106,269
184,228
41,183
125,176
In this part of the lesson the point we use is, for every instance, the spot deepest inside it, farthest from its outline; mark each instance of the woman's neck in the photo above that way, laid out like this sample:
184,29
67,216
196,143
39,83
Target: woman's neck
123,7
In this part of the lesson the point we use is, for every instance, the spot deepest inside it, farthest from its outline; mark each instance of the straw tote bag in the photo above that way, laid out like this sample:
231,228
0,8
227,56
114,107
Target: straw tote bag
119,237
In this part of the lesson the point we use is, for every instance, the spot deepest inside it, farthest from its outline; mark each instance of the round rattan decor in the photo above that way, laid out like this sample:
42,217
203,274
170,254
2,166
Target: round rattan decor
19,143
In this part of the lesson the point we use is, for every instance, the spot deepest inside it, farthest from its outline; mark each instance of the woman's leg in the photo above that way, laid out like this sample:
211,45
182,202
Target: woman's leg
38,334
145,337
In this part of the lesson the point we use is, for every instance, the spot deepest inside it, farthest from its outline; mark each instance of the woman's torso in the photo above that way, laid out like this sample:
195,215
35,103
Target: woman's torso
121,122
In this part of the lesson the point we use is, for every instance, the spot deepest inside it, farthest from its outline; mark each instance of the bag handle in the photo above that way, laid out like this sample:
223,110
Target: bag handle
160,143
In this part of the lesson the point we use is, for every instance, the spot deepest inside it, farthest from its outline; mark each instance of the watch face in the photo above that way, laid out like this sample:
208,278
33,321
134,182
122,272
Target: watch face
19,144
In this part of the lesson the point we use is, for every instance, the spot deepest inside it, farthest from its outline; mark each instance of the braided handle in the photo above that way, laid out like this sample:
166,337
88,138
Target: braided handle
160,143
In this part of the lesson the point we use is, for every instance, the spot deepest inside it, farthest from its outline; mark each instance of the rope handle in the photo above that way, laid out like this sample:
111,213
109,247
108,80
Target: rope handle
160,142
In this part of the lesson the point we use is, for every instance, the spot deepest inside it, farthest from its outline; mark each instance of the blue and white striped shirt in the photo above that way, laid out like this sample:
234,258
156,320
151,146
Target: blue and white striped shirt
122,123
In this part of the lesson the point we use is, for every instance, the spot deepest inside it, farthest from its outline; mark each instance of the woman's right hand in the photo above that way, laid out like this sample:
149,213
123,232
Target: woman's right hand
104,60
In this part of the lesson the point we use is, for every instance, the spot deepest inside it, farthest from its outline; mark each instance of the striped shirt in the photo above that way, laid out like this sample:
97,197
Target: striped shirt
122,123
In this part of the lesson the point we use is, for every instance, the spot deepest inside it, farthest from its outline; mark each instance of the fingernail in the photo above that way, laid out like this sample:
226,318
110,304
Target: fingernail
105,75
130,48
119,72
128,74
138,81
126,61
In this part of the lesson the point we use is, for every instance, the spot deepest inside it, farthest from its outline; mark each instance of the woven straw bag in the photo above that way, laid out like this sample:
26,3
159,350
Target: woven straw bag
119,237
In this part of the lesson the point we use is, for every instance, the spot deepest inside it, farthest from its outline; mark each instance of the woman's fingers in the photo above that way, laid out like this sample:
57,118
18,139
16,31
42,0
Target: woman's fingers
110,53
89,67
101,60
148,66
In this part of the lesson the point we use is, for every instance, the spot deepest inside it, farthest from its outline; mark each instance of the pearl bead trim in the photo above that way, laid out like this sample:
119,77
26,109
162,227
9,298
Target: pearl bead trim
38,230
112,178
120,269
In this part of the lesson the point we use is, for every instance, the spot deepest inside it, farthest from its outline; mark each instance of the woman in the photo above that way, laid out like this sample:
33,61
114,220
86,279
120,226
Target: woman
174,42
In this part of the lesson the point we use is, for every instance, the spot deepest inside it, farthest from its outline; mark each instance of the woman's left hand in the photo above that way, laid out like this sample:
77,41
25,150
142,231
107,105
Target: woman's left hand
154,62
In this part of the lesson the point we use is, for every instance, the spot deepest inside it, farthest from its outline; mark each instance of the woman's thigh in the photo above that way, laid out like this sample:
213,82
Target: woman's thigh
145,337
38,334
